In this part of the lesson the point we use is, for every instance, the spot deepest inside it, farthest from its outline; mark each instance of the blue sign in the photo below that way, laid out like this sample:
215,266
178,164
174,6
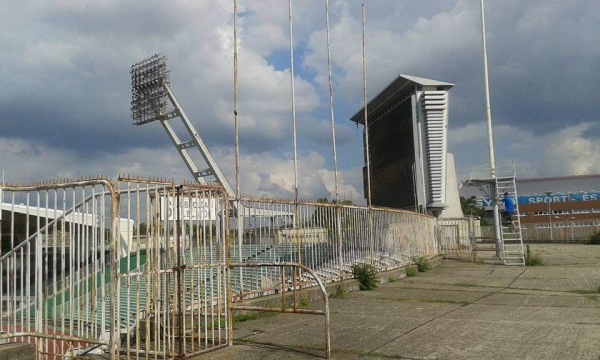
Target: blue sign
558,197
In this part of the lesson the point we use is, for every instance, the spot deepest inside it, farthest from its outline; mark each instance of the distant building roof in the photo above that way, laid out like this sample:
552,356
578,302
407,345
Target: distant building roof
397,90
556,184
563,184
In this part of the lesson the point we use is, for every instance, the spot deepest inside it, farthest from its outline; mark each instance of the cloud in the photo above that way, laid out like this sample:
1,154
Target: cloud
64,103
566,151
570,152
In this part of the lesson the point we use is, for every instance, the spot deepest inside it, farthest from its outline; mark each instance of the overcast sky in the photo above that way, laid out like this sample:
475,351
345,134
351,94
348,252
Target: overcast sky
65,85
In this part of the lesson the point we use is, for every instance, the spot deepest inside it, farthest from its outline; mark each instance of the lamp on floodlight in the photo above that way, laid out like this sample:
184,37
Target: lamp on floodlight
148,93
152,99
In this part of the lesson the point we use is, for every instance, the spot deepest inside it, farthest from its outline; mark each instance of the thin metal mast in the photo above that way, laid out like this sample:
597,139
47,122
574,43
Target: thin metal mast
335,167
235,103
369,204
364,61
488,112
291,22
488,108
240,212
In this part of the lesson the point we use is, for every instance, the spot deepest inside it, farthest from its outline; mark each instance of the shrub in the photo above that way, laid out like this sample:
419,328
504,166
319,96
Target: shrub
422,263
532,259
595,238
366,275
411,270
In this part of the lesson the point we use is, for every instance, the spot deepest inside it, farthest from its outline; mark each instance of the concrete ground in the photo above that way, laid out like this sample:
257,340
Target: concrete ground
459,310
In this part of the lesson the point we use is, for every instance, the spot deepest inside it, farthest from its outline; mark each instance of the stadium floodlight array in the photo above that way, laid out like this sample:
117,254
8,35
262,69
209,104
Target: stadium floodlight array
148,92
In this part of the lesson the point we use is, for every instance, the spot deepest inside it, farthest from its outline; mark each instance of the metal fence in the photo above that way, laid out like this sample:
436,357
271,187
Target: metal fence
328,238
457,236
148,269
53,268
571,231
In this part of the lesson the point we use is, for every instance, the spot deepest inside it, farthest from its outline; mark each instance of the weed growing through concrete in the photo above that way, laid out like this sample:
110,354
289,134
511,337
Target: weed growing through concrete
303,303
392,279
341,292
366,276
251,316
595,291
411,270
532,259
422,263
595,238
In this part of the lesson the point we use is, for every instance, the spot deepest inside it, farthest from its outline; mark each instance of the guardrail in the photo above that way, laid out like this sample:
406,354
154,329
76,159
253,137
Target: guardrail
295,287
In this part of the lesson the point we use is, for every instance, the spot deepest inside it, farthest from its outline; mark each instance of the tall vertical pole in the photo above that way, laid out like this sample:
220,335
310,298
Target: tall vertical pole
368,154
237,171
296,209
367,150
488,113
338,220
335,167
291,23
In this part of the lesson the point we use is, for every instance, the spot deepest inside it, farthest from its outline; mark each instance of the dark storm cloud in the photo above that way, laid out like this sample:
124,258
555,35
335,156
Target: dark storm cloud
65,75
543,62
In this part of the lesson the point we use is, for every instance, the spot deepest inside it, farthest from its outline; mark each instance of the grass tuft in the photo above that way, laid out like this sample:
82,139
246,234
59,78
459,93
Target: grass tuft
411,270
532,259
422,263
341,292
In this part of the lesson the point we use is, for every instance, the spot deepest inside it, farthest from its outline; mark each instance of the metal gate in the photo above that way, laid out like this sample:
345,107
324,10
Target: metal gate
173,285
136,269
57,243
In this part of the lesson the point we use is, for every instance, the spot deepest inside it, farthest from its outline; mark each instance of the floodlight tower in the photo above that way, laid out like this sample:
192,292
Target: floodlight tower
152,99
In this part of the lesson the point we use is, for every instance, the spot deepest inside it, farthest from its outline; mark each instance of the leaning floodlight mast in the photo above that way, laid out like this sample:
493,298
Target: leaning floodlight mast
152,99
148,93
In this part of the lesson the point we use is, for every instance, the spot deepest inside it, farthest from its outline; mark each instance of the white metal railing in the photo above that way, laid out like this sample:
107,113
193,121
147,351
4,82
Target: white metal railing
40,279
457,235
503,170
328,238
164,290
562,231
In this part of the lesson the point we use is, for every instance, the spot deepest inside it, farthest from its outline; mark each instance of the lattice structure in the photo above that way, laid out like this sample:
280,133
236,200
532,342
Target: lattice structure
148,92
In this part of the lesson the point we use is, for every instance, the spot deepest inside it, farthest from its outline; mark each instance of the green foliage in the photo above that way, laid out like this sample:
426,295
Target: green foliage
331,218
251,316
532,259
326,201
422,263
341,292
470,207
392,279
411,270
303,303
366,275
595,238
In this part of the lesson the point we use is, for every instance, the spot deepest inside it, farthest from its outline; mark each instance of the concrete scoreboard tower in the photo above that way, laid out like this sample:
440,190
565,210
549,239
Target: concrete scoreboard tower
407,129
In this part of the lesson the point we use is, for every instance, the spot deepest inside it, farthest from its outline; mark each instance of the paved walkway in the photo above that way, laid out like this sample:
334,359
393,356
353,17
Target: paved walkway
459,310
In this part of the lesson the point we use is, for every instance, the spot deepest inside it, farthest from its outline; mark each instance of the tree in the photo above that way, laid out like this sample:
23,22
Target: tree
470,207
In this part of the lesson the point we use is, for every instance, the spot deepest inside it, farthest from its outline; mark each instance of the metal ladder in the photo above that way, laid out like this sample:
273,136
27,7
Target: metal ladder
511,242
